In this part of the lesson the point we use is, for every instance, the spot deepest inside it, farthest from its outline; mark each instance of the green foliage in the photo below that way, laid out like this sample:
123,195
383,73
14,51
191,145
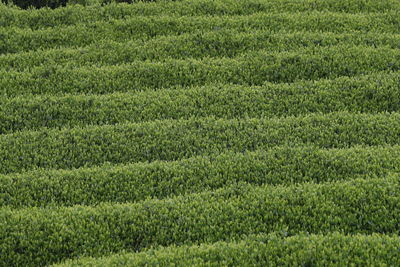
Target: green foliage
254,68
54,234
333,249
140,27
175,139
200,132
75,14
135,182
377,92
226,43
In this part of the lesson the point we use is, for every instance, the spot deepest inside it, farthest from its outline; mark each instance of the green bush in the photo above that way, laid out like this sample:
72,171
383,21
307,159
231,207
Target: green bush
378,92
75,14
135,182
333,249
176,139
253,68
41,236
227,43
16,39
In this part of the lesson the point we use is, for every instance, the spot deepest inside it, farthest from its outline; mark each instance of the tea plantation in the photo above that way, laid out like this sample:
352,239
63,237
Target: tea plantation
200,133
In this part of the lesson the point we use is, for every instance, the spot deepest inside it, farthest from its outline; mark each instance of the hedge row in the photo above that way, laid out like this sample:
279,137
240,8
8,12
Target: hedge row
176,139
230,43
333,249
253,68
40,236
141,27
378,92
135,182
72,15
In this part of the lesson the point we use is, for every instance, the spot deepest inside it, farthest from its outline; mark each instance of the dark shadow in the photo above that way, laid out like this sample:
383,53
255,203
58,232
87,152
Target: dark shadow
25,4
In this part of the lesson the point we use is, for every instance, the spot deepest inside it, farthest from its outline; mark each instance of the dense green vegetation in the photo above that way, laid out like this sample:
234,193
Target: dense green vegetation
16,39
200,132
198,45
160,179
253,68
378,92
75,14
56,233
174,139
268,250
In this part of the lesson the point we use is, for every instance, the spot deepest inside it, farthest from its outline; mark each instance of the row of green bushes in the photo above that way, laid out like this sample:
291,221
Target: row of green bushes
378,92
141,27
253,68
135,182
333,249
72,15
176,139
229,43
40,236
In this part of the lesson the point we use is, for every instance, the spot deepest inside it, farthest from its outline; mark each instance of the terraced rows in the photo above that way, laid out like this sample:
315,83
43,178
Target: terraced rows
200,132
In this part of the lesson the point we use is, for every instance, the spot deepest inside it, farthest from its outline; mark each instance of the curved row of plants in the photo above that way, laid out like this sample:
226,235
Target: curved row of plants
248,69
74,14
373,93
228,44
58,233
267,250
15,39
175,139
123,183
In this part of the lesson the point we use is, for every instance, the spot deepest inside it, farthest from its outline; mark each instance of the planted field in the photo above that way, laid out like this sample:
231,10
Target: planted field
200,132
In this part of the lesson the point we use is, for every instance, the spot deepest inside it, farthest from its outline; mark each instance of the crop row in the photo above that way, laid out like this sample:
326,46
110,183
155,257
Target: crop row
73,15
333,249
191,45
136,182
40,236
176,139
253,68
141,27
378,92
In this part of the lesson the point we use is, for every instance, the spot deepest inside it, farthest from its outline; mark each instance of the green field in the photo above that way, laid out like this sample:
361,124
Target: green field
200,133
